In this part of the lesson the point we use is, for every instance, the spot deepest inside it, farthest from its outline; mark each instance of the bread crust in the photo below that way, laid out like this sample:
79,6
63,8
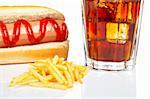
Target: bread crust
30,53
10,14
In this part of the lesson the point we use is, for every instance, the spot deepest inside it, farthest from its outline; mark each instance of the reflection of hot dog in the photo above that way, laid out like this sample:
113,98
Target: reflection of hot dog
28,33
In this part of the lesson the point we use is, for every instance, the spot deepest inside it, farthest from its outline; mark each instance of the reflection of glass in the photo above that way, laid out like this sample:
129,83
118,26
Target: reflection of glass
112,31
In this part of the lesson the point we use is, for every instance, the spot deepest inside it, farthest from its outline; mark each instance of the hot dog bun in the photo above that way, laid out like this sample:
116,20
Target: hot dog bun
10,14
24,51
30,53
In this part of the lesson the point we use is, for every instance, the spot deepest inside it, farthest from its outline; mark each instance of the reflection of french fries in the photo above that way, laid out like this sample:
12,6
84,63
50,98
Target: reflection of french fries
51,73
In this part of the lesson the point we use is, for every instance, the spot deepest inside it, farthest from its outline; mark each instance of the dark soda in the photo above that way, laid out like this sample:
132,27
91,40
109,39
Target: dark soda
111,27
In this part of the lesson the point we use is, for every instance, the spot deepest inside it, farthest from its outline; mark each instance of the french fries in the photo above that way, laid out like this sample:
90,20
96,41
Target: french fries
51,73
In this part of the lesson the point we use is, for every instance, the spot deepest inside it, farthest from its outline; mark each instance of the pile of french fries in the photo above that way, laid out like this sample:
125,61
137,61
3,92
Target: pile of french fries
51,73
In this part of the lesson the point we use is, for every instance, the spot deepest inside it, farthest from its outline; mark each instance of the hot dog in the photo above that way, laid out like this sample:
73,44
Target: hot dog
28,33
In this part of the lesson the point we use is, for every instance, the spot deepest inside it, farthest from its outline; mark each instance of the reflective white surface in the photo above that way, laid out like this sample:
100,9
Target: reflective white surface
96,84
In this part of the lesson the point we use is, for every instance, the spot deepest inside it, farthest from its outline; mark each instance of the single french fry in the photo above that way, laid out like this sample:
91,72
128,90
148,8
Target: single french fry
68,77
55,59
83,70
86,71
80,75
36,84
77,75
28,82
43,73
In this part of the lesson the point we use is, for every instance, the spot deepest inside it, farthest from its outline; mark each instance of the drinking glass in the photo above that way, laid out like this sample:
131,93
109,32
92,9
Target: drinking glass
111,33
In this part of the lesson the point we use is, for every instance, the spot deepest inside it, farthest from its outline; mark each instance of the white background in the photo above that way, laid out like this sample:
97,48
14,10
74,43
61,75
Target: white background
71,10
143,71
